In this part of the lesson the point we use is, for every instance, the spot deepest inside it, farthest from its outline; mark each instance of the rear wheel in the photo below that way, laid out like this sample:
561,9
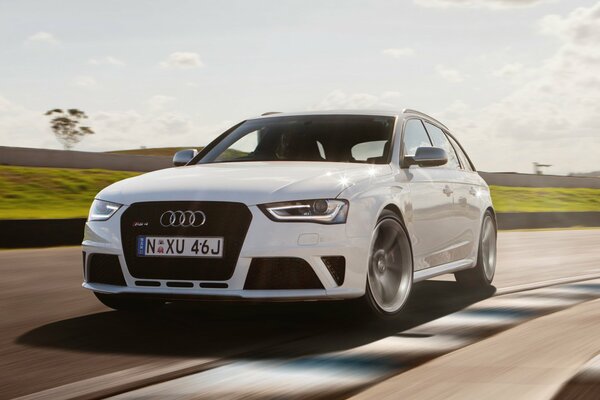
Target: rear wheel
390,269
483,273
125,303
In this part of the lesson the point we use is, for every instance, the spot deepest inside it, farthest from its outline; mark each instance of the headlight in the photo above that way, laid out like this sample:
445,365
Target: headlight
102,210
321,211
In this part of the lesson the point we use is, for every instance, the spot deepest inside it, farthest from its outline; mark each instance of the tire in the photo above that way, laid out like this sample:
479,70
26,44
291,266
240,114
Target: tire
390,268
482,274
125,303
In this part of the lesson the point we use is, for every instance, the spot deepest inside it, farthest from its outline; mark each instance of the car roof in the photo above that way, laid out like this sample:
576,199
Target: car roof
382,113
379,113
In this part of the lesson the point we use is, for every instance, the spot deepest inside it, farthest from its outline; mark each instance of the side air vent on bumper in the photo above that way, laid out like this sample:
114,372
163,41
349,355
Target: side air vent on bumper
105,268
337,268
280,274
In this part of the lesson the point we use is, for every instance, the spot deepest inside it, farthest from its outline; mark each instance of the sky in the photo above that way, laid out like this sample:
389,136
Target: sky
516,81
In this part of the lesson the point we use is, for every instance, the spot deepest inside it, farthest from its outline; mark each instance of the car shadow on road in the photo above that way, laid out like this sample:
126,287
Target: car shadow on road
220,329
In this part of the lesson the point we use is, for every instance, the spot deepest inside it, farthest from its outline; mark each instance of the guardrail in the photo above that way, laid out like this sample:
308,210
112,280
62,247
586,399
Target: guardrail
62,232
27,157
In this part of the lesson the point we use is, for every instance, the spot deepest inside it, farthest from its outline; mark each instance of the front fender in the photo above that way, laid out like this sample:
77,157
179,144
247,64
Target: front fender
367,201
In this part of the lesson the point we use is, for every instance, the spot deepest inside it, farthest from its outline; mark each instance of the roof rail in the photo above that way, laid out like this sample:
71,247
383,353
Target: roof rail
270,113
410,111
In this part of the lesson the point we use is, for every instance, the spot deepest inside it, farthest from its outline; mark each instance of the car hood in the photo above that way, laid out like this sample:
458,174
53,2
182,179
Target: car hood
246,182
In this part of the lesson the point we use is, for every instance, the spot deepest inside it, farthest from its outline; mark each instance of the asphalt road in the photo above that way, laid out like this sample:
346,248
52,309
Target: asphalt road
53,332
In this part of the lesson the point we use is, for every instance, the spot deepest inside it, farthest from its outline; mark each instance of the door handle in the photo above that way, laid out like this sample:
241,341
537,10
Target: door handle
447,191
472,191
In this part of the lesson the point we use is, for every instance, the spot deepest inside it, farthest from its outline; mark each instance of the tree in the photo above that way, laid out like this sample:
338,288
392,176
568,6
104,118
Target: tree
66,125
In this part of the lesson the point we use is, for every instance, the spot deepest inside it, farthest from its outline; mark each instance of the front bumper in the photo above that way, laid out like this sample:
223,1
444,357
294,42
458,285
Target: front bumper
264,239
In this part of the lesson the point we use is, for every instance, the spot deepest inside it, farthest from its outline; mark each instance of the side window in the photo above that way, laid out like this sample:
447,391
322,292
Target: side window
464,161
415,136
439,139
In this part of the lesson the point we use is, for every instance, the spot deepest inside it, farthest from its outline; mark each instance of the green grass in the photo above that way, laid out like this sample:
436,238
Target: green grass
29,192
523,199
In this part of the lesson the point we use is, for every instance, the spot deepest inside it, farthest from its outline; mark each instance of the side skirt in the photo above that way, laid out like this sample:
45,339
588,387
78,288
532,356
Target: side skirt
443,269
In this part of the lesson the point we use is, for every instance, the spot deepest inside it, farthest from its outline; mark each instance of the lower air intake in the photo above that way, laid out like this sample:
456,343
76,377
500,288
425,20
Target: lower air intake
105,268
281,274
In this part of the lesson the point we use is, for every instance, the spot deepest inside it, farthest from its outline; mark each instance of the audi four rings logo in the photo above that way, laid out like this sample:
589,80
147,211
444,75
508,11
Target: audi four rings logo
183,219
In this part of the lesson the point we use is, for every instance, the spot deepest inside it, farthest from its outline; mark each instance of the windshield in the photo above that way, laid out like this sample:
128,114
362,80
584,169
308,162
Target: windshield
337,138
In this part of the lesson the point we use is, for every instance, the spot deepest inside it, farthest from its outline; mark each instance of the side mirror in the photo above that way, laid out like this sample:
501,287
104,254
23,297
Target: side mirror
427,157
182,157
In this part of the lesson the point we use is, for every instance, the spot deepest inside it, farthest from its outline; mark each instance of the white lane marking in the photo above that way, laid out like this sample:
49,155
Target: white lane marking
560,293
526,303
543,284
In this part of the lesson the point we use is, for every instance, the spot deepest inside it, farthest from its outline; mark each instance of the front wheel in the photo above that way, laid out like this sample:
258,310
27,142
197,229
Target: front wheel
390,269
123,303
482,274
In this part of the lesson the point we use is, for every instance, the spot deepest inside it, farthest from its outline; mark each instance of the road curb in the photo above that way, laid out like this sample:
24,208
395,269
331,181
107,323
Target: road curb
585,385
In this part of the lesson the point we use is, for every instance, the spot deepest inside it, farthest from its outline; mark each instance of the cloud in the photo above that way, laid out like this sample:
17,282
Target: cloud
554,114
159,102
449,74
20,126
508,70
580,29
398,52
135,128
182,60
42,38
338,99
490,4
84,82
108,60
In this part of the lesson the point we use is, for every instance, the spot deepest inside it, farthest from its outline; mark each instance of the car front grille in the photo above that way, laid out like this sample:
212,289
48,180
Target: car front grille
223,219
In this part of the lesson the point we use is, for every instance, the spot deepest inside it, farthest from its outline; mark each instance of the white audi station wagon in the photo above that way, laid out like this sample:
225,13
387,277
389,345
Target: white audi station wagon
297,206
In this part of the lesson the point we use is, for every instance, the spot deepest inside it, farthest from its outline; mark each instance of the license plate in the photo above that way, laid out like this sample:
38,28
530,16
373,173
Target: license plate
161,246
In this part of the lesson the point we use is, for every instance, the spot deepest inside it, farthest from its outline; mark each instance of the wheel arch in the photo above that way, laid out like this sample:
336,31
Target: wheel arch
493,212
396,210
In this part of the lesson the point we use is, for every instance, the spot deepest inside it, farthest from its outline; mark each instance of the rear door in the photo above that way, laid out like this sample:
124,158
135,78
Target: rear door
468,203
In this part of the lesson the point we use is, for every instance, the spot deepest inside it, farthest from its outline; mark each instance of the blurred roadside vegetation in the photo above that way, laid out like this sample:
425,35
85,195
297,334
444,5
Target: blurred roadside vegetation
526,199
31,192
